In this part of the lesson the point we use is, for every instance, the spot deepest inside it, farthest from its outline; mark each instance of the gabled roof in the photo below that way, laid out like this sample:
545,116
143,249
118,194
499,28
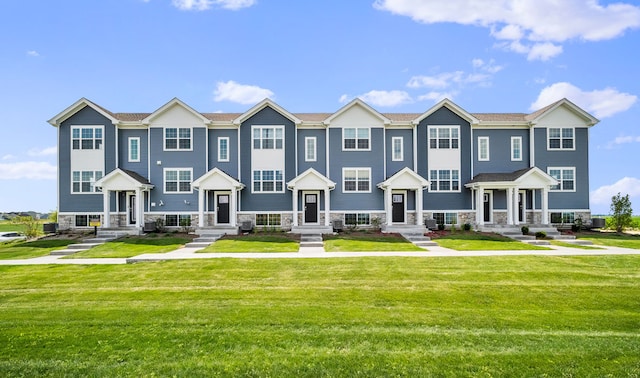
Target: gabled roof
174,102
405,178
535,116
451,106
76,107
263,104
310,175
357,102
126,180
533,177
217,179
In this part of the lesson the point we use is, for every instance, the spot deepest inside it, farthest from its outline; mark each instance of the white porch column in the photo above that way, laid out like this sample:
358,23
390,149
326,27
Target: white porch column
327,207
295,207
140,208
233,209
480,206
510,206
419,206
200,207
516,208
106,208
545,205
387,206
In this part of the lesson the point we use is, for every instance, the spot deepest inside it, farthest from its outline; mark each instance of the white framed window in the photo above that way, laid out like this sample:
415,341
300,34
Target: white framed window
444,180
356,139
268,219
83,181
223,149
446,218
444,137
134,149
177,180
356,180
560,138
516,148
268,137
175,220
397,149
566,177
84,220
268,181
310,149
563,217
86,137
483,148
356,219
177,139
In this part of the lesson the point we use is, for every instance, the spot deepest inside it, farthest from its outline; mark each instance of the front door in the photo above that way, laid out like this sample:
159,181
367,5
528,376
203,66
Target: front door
222,209
487,207
131,209
397,208
311,208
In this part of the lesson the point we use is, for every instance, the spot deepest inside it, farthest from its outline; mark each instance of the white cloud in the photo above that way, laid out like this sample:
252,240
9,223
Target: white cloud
386,98
437,96
240,93
449,84
201,5
528,24
345,98
624,186
48,151
33,53
8,157
601,103
622,140
439,81
35,170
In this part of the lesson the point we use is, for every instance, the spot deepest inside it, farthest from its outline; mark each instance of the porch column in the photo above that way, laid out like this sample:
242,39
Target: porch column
140,209
200,207
480,206
233,209
510,206
387,205
516,208
545,205
295,207
419,211
107,209
327,207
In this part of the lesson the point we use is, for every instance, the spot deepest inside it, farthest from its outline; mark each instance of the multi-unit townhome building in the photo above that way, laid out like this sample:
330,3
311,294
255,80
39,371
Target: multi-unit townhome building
286,170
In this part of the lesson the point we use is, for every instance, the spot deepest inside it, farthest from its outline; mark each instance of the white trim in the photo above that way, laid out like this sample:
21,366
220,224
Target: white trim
356,138
562,190
480,140
438,127
178,170
513,139
561,148
274,127
220,159
357,169
93,139
306,149
437,180
261,181
164,139
393,148
129,140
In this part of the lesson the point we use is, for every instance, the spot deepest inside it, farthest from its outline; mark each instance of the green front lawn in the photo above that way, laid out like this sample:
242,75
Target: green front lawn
612,239
475,241
519,316
254,243
30,249
356,242
133,246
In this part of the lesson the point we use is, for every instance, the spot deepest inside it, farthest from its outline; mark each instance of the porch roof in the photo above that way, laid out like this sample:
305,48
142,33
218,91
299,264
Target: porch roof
309,180
531,178
405,178
123,180
217,179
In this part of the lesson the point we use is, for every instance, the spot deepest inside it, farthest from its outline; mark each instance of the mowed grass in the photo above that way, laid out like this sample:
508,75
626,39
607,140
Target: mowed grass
367,242
612,239
474,241
254,243
132,246
30,249
413,317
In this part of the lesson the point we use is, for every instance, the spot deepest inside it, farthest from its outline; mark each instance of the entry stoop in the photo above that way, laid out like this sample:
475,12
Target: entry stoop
204,240
311,240
419,239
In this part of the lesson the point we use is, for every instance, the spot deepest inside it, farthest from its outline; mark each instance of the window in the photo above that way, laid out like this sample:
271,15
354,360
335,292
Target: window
444,180
483,148
356,180
223,149
268,181
268,219
563,217
444,137
86,138
84,220
355,138
560,138
397,153
357,219
446,218
177,138
83,181
268,137
566,178
177,180
516,148
134,149
310,149
176,220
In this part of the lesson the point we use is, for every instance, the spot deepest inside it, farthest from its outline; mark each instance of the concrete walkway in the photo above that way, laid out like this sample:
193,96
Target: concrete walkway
318,252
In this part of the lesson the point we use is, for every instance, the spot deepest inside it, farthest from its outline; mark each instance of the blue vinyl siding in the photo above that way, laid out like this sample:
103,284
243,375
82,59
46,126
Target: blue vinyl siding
407,148
500,151
320,164
140,167
230,167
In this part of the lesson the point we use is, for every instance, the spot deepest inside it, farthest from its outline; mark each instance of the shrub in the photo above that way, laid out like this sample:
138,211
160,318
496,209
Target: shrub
525,230
31,225
441,227
541,235
466,227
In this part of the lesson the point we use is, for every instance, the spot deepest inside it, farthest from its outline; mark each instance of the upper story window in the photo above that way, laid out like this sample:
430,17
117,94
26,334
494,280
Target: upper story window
310,149
177,180
483,148
397,150
268,181
444,137
356,138
223,149
268,137
83,181
86,138
177,138
516,148
566,177
356,180
134,149
444,180
560,138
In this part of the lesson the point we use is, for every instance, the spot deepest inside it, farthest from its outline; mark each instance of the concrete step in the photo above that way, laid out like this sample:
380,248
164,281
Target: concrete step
427,243
82,245
98,240
311,240
312,230
207,239
197,245
311,244
65,252
518,236
577,241
218,230
537,242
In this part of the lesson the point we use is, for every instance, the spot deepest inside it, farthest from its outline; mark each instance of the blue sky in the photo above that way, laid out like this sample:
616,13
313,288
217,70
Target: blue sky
314,56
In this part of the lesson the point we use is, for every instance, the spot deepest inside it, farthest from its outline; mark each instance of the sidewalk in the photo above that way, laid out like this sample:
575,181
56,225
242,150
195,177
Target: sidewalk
318,252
